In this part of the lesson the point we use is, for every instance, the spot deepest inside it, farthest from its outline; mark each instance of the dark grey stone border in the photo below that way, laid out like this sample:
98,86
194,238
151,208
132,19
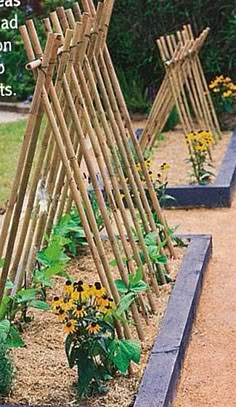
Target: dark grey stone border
160,378
218,194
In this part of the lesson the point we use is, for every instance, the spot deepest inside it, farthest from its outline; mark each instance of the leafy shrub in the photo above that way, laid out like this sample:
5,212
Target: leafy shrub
6,371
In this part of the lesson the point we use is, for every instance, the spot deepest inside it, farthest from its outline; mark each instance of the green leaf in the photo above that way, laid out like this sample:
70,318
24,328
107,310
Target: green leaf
2,262
161,259
125,303
122,352
121,286
26,295
4,307
113,263
135,278
14,340
53,270
39,305
4,329
140,287
9,284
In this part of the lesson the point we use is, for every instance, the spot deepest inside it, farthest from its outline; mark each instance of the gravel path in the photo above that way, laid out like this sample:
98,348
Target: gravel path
208,375
7,117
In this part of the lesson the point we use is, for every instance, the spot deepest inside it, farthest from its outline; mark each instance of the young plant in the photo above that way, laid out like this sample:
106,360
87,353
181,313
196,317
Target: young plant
87,313
6,370
154,253
198,144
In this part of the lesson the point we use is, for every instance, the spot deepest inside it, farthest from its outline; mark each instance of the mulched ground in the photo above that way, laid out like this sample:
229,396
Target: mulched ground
42,375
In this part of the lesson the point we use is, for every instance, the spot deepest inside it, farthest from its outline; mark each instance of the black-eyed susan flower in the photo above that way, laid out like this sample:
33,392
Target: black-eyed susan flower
79,311
68,288
70,327
56,302
97,290
93,328
164,167
67,304
62,315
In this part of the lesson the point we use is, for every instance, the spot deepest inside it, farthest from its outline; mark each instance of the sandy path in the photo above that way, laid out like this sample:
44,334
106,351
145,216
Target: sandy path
7,117
209,371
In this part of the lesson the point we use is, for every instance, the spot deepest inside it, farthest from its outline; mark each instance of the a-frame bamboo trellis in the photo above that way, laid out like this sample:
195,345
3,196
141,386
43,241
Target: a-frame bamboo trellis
78,94
184,86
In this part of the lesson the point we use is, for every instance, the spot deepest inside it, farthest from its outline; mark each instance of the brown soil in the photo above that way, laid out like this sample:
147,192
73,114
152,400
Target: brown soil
172,149
208,375
42,375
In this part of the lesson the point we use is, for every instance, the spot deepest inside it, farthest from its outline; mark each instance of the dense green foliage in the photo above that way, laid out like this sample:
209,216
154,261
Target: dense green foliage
6,370
135,26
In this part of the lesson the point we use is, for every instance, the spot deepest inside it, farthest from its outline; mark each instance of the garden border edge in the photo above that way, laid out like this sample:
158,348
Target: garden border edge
158,386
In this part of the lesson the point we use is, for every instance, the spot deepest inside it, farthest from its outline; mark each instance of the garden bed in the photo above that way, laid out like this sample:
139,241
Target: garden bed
171,148
46,379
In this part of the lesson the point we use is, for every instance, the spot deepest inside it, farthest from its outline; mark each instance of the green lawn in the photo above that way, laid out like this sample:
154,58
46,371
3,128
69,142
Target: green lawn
11,135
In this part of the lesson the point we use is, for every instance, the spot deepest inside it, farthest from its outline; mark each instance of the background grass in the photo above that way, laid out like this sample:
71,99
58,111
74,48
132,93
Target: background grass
11,135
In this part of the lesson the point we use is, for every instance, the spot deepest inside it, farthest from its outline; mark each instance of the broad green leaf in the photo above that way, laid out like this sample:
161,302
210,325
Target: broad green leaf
53,270
161,259
121,286
2,262
26,295
122,352
14,340
39,305
140,287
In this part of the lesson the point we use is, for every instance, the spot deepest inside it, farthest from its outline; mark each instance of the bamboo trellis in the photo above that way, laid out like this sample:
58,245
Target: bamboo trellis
184,86
87,134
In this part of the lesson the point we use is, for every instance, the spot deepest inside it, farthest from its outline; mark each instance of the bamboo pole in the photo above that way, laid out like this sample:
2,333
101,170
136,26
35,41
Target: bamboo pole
31,133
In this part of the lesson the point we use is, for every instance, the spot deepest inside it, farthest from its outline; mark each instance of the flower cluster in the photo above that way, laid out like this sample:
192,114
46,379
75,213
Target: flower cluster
82,307
199,141
224,93
198,146
158,178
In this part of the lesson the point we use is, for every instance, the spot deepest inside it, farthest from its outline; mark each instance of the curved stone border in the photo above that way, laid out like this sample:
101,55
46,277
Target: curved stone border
158,385
218,194
160,378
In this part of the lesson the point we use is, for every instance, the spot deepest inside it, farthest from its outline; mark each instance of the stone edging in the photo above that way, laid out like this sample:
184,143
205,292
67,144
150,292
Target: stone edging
160,378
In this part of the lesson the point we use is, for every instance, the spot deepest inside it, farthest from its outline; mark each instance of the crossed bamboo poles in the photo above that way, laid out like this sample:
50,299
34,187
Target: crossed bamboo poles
184,86
78,91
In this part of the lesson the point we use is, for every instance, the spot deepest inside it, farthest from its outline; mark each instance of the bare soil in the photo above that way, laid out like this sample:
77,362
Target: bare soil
42,375
171,149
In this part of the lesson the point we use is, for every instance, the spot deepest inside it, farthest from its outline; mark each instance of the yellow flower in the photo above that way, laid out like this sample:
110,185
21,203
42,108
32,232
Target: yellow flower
93,328
216,90
67,304
164,167
68,288
97,290
148,162
62,316
81,292
56,302
138,167
227,93
79,311
70,327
